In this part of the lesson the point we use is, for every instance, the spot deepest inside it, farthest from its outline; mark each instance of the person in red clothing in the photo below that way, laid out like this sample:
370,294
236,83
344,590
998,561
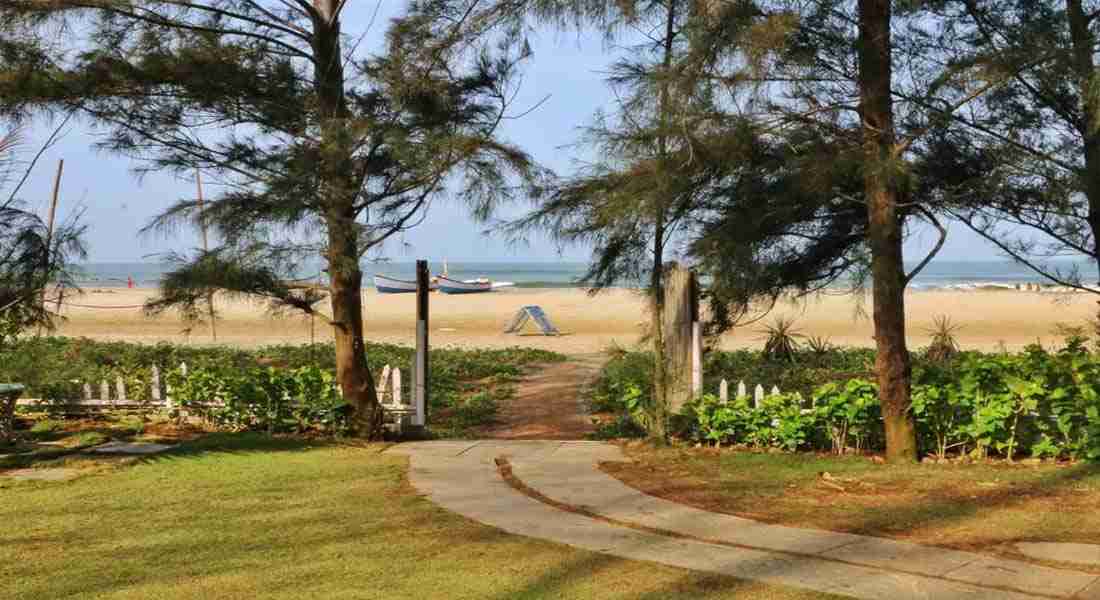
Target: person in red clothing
129,282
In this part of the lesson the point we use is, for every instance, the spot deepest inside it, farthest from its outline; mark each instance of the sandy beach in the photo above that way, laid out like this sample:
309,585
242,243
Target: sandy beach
591,323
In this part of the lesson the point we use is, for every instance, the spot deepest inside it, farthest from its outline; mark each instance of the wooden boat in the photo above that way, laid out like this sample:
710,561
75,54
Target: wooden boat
470,286
390,285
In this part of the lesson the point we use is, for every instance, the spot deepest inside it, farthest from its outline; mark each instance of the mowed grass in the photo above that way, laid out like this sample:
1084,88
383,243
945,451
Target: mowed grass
244,516
983,507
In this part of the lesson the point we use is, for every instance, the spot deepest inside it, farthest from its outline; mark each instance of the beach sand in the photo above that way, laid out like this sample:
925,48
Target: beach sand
987,319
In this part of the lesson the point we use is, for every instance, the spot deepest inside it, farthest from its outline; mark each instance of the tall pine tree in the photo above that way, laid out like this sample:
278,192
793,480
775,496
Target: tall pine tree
823,78
659,152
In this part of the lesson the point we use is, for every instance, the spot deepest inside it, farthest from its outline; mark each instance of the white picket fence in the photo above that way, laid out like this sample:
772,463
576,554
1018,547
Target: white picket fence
114,397
758,393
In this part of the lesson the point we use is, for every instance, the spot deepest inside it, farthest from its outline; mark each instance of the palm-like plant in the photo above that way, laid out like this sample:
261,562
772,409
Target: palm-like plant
781,340
944,345
32,258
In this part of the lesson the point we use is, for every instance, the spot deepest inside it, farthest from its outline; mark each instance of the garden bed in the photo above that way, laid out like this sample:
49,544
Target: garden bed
466,385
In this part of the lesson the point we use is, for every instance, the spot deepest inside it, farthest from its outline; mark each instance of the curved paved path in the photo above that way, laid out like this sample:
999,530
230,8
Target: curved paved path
618,520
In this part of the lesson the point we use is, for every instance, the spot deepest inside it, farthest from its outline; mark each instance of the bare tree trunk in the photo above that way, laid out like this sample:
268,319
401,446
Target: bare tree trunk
1084,64
892,362
339,193
352,372
657,275
660,365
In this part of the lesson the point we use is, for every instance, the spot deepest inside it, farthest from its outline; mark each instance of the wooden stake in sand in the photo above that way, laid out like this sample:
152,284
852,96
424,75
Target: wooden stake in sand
205,249
49,233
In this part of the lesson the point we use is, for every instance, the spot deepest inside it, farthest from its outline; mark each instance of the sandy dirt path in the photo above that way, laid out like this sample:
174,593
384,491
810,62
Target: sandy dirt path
549,403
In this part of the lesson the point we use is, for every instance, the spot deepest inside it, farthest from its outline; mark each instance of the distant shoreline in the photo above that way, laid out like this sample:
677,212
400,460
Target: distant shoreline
943,274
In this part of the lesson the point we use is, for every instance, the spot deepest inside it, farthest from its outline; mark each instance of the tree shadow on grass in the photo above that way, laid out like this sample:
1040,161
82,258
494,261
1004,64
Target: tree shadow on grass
606,569
945,510
981,513
213,443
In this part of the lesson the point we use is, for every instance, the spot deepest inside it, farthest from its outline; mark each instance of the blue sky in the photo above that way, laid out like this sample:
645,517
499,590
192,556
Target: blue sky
567,67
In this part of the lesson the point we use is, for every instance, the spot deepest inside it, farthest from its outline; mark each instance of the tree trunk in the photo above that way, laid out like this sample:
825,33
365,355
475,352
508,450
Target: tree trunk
352,372
657,276
339,193
659,428
892,362
1084,65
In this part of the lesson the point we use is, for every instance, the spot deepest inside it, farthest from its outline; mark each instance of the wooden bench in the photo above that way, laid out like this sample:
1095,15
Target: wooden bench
390,397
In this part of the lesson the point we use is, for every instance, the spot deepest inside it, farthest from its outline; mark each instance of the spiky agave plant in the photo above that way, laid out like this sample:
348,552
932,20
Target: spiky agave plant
944,345
781,340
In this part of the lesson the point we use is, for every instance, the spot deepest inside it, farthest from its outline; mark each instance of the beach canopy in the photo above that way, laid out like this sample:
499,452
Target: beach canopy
532,313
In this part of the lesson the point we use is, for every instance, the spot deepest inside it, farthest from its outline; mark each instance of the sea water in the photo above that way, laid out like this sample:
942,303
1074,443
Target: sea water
938,274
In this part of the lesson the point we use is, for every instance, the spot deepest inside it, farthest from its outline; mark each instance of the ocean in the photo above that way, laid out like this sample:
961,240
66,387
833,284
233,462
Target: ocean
939,274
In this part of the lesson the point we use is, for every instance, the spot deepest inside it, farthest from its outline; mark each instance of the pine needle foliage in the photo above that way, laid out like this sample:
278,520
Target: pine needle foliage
321,148
33,261
1038,134
660,150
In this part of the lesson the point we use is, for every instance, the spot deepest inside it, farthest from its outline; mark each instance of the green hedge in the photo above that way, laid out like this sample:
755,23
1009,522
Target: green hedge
264,388
1037,403
265,399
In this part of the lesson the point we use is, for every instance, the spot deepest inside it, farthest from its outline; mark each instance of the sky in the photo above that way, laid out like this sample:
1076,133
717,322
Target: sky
567,70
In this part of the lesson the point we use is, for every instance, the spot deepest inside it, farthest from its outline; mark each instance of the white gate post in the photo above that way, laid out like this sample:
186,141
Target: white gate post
154,386
696,359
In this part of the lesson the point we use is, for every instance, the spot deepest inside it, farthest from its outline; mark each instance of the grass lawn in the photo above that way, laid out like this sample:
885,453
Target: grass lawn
244,516
977,507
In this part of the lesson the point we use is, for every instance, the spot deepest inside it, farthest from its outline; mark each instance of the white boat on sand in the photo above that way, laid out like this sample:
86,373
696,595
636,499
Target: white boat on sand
469,286
391,285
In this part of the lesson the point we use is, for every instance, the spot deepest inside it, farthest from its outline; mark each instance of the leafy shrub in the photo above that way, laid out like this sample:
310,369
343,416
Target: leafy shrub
780,422
265,399
716,422
1042,403
475,410
621,427
47,426
941,409
849,412
627,377
56,368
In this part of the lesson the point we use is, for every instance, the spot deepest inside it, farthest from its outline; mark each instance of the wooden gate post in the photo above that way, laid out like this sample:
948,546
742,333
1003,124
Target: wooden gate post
679,319
696,341
420,394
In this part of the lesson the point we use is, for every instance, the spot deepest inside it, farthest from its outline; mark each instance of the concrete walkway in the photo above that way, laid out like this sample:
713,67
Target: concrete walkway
618,520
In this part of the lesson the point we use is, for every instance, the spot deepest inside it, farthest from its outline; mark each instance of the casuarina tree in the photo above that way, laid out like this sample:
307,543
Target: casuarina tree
655,159
847,136
307,131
